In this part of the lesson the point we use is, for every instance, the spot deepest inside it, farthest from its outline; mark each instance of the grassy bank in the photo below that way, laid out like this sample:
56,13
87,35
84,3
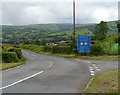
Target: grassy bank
104,57
105,82
4,66
10,57
39,49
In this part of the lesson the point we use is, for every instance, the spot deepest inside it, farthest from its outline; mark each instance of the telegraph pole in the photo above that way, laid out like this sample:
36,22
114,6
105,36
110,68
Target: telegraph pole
74,19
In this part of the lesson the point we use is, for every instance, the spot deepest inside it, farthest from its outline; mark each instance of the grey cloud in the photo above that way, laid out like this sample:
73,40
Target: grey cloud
51,12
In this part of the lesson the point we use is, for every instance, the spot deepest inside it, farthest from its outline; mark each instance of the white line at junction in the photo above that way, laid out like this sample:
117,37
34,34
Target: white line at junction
96,67
34,55
92,73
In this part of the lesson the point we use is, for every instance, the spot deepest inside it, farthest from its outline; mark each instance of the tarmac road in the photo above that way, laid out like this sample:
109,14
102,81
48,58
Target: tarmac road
48,74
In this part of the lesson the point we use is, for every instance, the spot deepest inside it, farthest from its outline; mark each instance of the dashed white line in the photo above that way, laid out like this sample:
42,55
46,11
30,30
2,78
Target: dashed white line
96,67
92,73
83,60
77,59
91,69
88,62
21,80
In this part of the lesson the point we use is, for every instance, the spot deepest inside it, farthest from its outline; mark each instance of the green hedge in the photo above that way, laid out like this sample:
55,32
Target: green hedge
58,49
47,48
9,57
97,50
61,49
18,52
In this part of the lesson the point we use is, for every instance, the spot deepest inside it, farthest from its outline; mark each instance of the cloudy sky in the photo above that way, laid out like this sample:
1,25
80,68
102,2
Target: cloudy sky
24,13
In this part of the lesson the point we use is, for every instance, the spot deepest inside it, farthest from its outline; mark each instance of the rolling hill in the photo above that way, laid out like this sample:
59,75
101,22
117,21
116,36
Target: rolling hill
11,34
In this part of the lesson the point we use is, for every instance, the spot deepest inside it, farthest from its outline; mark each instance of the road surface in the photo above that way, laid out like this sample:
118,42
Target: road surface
48,74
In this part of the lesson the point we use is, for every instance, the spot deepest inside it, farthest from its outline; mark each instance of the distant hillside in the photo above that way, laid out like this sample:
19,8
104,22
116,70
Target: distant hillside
11,34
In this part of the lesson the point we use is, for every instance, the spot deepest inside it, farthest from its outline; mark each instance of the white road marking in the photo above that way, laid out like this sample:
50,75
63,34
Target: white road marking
21,80
88,62
96,67
50,65
34,55
77,59
83,60
92,71
88,84
91,68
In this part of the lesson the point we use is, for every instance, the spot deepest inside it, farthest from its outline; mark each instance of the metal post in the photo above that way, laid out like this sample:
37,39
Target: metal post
74,19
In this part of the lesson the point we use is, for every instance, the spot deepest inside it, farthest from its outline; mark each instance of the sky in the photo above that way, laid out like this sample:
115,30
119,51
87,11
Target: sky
16,12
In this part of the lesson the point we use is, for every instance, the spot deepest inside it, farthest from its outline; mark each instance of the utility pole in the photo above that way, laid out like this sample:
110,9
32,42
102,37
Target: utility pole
74,19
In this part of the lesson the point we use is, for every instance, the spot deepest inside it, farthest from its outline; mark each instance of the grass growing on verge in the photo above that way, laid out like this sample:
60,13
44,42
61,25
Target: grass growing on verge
39,49
104,57
105,82
4,66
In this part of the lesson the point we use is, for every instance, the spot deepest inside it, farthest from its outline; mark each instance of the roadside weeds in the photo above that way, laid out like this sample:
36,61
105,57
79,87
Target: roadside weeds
105,82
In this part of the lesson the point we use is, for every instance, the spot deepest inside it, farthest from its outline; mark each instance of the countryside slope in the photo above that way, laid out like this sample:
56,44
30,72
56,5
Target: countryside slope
11,34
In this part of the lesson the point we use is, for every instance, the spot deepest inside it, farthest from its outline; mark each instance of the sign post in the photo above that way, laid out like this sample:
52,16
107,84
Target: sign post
83,44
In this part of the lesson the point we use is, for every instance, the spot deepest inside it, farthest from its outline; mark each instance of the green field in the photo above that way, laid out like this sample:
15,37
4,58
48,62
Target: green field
105,82
44,33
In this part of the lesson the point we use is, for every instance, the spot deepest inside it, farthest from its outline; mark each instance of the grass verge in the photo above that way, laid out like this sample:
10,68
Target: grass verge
104,57
105,82
4,66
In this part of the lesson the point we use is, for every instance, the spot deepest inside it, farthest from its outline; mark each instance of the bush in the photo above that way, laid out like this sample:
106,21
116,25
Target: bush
57,49
115,49
47,48
9,57
18,52
97,49
61,49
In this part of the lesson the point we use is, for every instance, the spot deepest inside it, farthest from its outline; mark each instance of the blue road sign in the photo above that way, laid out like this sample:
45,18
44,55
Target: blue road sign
17,43
52,41
83,44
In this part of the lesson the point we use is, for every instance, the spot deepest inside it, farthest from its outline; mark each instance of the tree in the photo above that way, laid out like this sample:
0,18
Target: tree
118,26
101,31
